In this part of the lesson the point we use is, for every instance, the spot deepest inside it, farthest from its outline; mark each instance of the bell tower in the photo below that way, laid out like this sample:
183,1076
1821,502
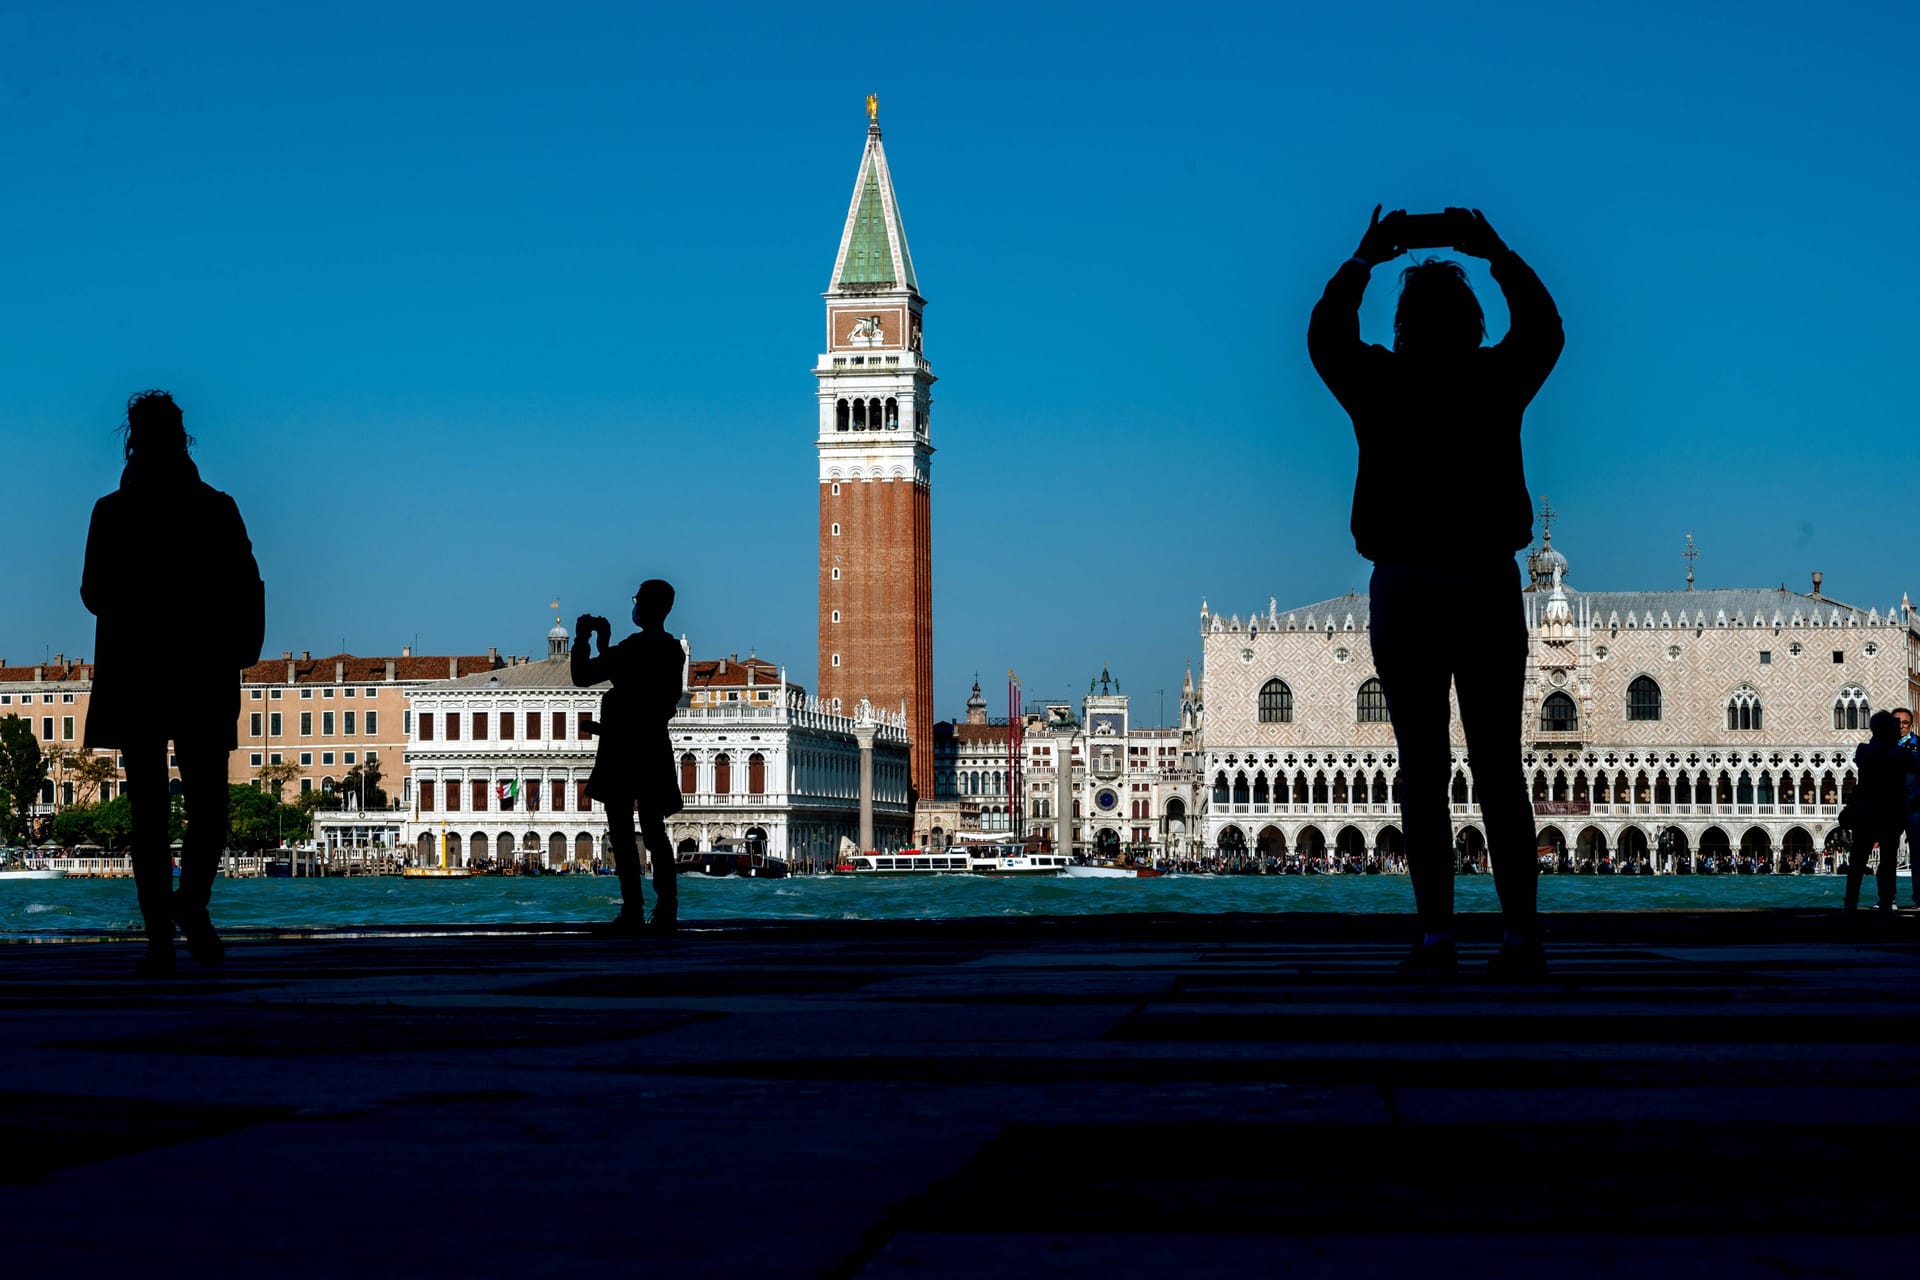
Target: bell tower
876,455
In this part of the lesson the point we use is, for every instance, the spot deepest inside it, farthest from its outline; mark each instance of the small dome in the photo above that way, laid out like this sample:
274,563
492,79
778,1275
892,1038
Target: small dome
558,633
1542,564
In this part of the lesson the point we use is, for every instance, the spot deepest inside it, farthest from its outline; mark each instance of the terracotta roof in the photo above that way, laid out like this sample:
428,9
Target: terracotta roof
359,670
51,674
705,673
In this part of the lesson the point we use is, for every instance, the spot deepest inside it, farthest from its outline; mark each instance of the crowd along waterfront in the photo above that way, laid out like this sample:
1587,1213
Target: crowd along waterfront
46,908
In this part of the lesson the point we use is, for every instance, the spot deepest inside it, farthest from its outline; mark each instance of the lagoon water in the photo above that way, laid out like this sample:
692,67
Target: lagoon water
80,906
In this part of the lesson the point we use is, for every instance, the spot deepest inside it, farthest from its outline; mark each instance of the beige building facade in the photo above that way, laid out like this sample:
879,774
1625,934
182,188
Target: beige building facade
322,717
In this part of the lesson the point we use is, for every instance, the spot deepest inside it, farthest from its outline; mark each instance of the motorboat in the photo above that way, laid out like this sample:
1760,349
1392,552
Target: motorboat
1112,869
731,862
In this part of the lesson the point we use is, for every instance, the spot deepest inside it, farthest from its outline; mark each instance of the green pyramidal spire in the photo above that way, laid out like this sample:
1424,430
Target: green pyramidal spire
873,248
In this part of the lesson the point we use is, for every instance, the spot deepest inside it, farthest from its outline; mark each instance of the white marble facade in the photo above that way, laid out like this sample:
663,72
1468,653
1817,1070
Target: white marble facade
772,773
1656,723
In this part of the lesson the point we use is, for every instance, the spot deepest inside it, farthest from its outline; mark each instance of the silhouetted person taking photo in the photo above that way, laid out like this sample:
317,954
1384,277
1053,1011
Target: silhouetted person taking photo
1877,813
633,771
170,575
1441,506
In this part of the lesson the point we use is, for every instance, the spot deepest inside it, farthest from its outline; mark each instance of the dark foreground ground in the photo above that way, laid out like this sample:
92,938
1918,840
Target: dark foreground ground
1703,1094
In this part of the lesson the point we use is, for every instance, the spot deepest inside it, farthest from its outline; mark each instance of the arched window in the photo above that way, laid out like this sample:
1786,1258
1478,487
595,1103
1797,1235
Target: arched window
1276,702
1850,709
1240,792
689,775
756,774
859,415
1558,714
1370,706
722,774
1220,788
840,415
893,414
1743,709
1643,699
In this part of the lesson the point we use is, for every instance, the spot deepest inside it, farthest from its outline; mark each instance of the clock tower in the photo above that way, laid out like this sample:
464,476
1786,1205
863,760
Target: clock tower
876,455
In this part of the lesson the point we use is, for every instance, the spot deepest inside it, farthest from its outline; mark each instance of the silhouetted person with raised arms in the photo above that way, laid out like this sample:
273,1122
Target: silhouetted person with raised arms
170,575
1878,810
633,770
1441,507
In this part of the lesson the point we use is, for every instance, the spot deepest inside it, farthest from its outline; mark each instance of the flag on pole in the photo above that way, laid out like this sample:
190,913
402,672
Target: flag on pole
508,791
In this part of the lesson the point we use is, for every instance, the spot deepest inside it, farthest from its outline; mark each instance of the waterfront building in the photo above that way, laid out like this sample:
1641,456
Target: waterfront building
320,717
1126,788
499,762
974,782
1658,725
875,470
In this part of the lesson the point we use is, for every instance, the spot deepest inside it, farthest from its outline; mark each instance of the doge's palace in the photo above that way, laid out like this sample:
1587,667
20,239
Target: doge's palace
1658,725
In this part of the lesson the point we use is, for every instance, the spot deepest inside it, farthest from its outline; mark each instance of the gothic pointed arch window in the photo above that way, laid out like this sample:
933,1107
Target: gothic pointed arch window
1743,709
1850,708
1643,699
1370,704
1276,702
1558,714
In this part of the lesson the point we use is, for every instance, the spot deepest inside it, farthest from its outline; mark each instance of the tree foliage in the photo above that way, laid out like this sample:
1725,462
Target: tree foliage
90,773
23,771
108,824
255,819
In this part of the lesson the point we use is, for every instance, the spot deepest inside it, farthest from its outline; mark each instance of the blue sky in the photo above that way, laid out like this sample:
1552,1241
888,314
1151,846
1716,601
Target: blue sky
475,306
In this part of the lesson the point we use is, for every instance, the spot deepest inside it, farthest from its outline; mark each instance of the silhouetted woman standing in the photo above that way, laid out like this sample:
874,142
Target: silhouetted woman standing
633,771
170,575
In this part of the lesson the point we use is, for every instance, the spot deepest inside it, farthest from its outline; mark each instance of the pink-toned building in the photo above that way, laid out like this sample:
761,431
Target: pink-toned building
320,716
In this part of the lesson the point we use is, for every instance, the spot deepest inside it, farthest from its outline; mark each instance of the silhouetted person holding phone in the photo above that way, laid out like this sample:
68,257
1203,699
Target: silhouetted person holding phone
170,575
1440,507
1878,810
634,768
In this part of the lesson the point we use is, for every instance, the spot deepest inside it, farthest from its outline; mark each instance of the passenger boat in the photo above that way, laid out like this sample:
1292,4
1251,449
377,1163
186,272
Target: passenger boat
31,869
991,860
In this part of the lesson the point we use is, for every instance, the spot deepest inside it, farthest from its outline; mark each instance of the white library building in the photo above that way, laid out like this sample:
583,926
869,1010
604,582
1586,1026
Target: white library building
498,764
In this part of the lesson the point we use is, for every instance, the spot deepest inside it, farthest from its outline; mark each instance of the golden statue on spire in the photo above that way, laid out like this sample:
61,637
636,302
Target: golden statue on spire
873,108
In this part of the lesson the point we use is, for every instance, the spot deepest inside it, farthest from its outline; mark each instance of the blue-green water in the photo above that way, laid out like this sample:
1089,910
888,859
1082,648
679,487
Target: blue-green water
39,906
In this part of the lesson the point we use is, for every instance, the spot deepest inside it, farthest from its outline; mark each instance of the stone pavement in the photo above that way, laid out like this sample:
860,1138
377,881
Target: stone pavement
1723,1094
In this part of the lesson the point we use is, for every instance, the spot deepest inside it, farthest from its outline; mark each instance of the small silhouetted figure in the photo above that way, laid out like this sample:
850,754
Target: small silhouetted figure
1910,743
170,575
1440,507
633,770
1879,808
